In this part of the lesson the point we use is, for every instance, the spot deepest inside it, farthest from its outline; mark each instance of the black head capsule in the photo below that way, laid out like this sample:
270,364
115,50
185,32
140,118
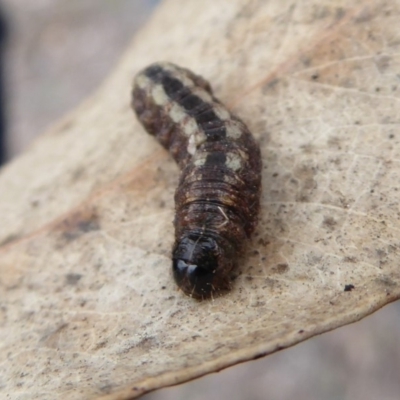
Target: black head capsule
201,265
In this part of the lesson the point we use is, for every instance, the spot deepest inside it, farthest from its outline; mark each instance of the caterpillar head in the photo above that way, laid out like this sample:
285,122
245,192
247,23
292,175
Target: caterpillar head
201,264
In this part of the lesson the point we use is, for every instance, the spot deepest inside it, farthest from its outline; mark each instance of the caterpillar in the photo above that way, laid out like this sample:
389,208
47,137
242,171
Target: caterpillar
218,196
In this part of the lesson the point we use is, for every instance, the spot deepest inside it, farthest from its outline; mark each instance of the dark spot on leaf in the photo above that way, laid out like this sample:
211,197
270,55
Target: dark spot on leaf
78,224
364,16
106,388
263,242
307,61
307,148
350,259
51,339
270,86
329,223
340,13
146,343
8,239
77,174
72,279
280,268
334,141
386,281
100,345
35,203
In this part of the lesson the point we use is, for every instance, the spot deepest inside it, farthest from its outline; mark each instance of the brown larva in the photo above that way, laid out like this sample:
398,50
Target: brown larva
218,196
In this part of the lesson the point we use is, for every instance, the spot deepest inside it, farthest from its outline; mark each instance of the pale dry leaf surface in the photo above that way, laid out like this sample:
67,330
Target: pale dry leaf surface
88,306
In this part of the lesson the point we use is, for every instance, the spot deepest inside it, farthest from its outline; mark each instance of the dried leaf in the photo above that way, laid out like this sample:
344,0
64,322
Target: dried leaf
88,306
